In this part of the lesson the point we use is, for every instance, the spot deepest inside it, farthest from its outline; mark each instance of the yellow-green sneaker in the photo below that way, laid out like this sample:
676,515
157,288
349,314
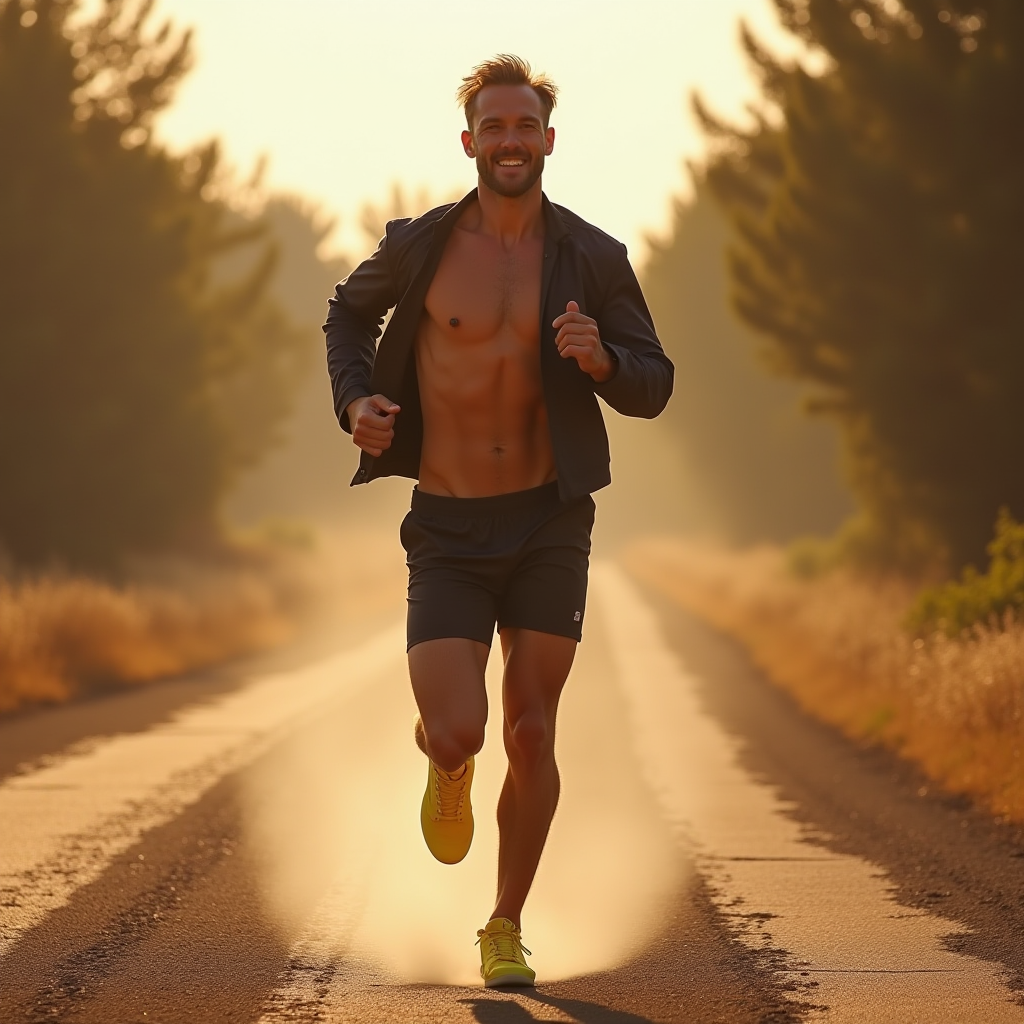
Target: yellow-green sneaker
446,815
502,959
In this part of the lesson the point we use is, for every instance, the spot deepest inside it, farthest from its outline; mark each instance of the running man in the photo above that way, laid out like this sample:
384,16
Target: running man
511,315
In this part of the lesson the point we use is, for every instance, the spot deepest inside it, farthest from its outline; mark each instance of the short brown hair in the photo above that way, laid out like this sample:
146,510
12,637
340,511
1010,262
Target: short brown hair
505,69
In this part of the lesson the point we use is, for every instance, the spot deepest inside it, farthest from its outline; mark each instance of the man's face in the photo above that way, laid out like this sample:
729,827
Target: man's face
508,140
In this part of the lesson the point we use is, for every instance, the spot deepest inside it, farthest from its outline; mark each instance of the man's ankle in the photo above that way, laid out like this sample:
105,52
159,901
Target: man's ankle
502,915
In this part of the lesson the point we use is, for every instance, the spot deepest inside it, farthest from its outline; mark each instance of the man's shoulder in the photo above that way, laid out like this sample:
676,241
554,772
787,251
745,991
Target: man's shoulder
407,241
406,228
590,236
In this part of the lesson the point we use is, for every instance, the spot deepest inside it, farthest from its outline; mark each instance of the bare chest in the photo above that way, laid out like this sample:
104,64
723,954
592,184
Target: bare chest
483,291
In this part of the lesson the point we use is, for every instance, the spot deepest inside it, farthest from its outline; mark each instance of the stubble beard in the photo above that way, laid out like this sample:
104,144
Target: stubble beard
490,178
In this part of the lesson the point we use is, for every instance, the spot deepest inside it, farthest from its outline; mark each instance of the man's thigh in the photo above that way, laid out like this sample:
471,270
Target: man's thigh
536,667
448,682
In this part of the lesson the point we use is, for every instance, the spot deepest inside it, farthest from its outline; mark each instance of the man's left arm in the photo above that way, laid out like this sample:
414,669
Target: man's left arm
620,349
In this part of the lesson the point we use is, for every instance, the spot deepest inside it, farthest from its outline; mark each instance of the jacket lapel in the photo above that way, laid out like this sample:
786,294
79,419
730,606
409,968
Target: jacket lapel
554,232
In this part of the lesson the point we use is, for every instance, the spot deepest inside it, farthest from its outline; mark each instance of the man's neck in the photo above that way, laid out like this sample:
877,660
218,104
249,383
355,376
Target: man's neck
510,220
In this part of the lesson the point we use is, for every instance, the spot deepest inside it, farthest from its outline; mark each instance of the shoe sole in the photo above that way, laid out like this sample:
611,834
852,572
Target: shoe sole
510,981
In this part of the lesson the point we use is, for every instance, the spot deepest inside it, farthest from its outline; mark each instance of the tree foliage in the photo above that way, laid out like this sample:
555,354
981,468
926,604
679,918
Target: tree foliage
133,386
880,225
758,467
989,599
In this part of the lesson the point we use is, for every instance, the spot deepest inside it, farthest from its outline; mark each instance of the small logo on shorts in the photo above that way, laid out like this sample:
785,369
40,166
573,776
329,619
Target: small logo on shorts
576,617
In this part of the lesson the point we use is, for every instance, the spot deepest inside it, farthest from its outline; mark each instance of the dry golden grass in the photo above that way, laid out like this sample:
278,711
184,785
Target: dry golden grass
66,636
837,643
62,636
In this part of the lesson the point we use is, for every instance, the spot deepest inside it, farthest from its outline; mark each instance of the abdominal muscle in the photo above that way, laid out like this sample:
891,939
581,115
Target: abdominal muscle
485,425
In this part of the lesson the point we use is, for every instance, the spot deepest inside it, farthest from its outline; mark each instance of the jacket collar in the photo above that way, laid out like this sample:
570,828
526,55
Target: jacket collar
554,224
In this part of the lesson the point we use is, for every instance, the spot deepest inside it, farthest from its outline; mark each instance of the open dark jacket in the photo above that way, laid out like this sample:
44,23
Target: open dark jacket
581,263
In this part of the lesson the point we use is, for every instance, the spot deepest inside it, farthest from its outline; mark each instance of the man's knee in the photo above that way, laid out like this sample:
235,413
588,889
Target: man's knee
530,738
450,744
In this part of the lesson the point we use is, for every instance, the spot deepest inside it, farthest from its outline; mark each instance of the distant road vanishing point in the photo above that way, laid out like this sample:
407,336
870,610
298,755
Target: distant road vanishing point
244,847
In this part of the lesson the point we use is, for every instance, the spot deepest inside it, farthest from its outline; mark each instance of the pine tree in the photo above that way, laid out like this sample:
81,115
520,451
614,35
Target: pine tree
881,236
123,366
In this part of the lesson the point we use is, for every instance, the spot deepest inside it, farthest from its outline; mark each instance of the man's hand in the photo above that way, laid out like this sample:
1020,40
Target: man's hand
579,339
372,421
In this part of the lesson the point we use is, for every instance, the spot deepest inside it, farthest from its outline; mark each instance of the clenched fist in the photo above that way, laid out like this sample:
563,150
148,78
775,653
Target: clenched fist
578,338
372,421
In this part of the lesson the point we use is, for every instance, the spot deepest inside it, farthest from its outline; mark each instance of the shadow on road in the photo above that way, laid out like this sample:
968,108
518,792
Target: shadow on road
505,1011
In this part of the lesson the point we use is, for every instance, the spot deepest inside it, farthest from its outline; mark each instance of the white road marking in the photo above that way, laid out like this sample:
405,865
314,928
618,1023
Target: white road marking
834,916
61,824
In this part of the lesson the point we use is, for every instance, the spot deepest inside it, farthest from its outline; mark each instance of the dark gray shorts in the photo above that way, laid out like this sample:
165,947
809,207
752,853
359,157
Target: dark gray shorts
518,560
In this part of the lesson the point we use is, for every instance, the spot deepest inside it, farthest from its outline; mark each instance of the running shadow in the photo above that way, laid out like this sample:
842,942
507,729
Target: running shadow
505,1011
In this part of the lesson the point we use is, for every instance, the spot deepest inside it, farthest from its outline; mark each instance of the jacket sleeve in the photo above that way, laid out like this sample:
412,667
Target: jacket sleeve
642,383
354,319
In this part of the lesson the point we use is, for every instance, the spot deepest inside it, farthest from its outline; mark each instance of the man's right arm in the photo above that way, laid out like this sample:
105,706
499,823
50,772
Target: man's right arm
354,319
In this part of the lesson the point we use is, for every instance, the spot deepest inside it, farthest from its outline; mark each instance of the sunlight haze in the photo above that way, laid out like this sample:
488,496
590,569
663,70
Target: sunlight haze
347,98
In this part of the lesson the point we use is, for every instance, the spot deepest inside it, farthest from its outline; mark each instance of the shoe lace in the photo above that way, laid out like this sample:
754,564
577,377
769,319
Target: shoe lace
451,793
505,945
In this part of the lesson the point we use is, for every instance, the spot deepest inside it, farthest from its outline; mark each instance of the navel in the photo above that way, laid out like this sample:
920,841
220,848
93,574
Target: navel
454,321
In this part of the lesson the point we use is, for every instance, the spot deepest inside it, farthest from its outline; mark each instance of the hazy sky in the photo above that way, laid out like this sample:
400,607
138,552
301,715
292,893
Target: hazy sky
346,98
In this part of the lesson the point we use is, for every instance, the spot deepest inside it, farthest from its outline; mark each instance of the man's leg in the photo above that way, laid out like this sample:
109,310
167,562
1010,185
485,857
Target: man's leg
536,667
448,683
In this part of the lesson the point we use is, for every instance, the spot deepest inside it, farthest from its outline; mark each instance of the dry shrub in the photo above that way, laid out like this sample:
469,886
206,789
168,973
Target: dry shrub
838,643
61,636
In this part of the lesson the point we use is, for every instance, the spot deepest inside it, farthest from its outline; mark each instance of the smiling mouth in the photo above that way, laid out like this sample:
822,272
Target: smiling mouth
511,162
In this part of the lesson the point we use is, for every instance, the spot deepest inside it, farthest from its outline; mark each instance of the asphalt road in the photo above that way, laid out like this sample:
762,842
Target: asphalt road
243,846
